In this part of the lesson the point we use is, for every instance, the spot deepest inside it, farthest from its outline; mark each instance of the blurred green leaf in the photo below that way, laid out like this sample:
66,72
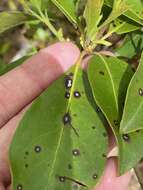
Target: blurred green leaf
92,16
133,111
56,143
119,7
133,45
9,20
134,12
68,8
124,26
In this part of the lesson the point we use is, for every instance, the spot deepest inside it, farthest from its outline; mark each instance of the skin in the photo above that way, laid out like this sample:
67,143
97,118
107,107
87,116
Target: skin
21,86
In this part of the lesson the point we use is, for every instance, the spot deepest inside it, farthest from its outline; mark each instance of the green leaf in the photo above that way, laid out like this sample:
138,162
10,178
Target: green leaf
133,112
131,150
132,46
68,8
9,20
61,142
38,5
135,11
93,17
119,8
124,27
109,79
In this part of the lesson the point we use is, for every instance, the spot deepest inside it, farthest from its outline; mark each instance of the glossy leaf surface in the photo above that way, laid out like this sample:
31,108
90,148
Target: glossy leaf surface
109,79
11,19
133,112
61,142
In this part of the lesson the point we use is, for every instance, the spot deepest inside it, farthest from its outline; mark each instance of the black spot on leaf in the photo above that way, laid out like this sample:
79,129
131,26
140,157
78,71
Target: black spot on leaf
140,91
98,110
104,155
93,127
67,119
62,179
77,94
68,82
69,166
114,25
126,137
27,153
67,95
101,73
76,152
19,187
105,134
95,176
37,149
116,122
26,165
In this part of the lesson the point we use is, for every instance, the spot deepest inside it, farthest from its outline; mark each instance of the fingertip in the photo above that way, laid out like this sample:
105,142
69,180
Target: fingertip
27,81
111,180
66,53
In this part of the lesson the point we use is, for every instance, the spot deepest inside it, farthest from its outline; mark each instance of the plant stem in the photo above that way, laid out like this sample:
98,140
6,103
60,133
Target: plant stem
44,18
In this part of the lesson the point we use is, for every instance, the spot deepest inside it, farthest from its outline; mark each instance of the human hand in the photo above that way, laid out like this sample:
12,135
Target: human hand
17,90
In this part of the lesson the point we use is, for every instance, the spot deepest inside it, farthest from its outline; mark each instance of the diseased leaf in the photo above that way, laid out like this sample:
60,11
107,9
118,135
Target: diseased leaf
133,112
109,79
61,142
68,8
11,19
131,150
93,17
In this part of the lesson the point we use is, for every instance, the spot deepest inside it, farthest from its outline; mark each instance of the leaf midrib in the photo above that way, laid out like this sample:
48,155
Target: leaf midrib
65,11
130,121
122,128
112,82
68,106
